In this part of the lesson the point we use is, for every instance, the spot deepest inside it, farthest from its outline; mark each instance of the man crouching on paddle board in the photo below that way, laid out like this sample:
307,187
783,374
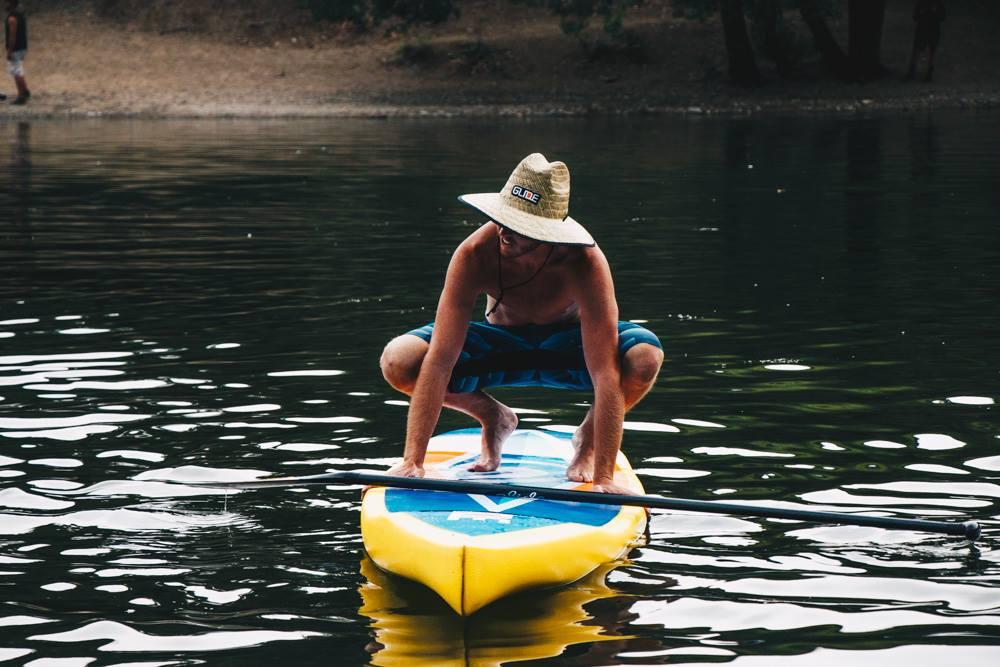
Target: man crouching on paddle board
551,320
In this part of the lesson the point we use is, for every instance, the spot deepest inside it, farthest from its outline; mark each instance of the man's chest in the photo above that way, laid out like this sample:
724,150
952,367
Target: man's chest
548,301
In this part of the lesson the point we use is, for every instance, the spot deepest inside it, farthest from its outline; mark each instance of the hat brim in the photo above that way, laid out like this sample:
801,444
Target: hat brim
535,227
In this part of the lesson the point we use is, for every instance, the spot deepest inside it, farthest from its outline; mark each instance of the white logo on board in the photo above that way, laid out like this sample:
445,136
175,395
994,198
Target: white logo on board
492,506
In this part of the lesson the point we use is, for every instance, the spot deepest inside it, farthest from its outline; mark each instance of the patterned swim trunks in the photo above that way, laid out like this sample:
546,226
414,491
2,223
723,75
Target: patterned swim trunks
15,66
548,355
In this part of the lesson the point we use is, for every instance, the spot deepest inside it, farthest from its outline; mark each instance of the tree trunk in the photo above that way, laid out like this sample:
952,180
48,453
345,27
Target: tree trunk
742,64
834,58
774,42
864,24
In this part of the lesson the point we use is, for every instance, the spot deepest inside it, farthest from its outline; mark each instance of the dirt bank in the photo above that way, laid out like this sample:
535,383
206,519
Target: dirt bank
490,61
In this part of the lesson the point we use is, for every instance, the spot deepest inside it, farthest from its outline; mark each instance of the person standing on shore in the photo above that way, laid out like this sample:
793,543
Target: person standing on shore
928,15
16,32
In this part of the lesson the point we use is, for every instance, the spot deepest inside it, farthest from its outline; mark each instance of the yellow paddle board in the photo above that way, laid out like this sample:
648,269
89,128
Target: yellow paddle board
473,549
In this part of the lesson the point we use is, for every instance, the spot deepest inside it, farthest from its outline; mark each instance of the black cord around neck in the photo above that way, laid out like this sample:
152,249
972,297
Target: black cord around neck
496,303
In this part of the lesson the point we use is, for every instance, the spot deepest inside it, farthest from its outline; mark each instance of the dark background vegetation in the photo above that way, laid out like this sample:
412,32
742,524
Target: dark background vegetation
753,29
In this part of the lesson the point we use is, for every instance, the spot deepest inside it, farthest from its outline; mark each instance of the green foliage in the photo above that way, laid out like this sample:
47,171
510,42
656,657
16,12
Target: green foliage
575,15
469,58
413,11
703,9
698,10
419,53
478,57
371,12
339,10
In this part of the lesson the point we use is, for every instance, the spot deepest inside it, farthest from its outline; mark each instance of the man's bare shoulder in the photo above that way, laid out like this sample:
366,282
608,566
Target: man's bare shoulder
479,245
585,261
475,257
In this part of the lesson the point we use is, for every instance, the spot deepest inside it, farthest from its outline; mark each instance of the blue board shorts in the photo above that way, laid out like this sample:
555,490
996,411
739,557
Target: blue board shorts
533,355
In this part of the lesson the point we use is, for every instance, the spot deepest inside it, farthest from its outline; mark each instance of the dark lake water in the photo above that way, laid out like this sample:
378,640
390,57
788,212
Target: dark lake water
214,296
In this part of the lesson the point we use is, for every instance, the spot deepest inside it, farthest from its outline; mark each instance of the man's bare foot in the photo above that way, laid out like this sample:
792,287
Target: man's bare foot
581,468
494,433
610,487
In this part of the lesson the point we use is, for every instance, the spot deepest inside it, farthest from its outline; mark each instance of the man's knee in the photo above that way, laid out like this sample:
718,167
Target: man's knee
641,364
401,359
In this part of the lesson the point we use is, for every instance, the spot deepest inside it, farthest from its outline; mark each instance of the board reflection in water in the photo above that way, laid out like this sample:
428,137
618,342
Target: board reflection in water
413,627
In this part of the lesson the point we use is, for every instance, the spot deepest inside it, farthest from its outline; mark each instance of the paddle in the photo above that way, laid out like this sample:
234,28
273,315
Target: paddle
969,529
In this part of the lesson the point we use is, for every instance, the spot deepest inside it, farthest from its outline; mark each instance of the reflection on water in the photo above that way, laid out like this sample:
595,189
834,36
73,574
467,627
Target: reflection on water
182,301
412,626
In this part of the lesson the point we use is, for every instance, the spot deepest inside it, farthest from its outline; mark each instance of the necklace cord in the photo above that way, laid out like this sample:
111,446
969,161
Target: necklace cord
496,303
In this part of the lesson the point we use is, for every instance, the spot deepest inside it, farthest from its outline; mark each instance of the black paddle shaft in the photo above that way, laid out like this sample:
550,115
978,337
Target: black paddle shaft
968,529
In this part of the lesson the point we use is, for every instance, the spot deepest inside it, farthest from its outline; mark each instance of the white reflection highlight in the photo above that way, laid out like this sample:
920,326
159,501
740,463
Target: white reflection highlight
22,379
841,497
884,444
124,385
298,446
57,463
111,588
64,434
737,451
970,400
13,653
135,455
8,621
934,468
202,474
697,422
82,331
728,616
81,356
95,373
672,473
16,498
124,638
946,653
944,488
218,597
308,373
58,586
650,426
123,520
937,441
118,572
991,463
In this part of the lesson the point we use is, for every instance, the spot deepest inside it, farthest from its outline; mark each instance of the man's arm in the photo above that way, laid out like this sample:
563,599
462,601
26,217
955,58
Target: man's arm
450,326
599,326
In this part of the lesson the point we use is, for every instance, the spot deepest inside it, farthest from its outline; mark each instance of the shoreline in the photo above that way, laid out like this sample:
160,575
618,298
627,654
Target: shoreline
530,69
747,107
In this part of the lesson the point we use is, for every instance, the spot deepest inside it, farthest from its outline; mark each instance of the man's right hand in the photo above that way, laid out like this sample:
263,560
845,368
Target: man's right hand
404,469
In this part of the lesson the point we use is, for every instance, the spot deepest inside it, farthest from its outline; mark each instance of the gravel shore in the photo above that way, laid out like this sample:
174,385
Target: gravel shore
465,68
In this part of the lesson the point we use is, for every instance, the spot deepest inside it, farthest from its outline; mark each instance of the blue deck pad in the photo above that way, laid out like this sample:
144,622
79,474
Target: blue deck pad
475,514
426,505
514,469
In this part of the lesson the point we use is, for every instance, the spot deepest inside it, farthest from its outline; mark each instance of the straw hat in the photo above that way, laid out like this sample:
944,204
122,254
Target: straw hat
534,203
